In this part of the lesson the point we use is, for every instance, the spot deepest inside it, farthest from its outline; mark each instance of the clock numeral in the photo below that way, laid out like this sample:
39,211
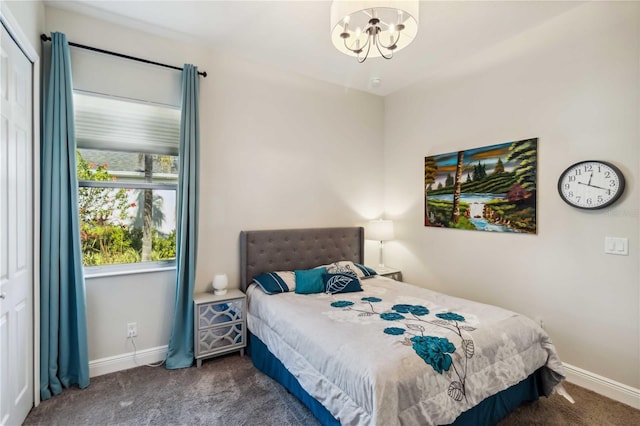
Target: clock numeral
588,167
572,178
570,194
607,174
600,199
567,186
589,202
578,172
578,199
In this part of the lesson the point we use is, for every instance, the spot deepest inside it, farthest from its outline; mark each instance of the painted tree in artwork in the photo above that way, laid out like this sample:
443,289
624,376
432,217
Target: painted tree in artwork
430,168
524,153
449,181
499,168
455,214
479,171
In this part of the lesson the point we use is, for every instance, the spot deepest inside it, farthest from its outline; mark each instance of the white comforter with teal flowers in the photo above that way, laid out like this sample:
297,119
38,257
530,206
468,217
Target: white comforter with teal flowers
398,354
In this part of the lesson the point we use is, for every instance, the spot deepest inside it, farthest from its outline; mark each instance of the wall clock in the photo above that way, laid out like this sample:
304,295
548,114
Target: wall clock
591,184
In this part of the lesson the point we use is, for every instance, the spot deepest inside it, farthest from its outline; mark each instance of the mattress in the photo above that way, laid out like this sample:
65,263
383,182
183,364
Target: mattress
397,353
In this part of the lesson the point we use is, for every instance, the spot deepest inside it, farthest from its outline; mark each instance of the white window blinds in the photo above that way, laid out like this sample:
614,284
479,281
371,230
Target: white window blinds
123,125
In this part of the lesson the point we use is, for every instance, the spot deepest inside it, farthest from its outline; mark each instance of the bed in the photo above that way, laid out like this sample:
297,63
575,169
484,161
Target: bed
393,353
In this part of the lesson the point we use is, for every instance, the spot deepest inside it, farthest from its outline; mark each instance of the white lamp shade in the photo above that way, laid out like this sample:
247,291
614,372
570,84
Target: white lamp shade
220,282
386,10
380,230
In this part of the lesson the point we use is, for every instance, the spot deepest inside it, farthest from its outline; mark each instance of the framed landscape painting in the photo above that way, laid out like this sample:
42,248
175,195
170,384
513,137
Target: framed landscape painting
492,188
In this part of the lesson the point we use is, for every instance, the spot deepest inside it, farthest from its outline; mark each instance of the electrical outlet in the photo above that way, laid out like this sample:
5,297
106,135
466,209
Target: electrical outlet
132,329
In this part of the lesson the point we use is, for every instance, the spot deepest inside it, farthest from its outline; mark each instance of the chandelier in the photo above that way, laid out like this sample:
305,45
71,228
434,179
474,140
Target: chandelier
373,28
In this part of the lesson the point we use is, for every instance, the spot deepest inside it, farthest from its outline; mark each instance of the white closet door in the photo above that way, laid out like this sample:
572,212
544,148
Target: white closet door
16,233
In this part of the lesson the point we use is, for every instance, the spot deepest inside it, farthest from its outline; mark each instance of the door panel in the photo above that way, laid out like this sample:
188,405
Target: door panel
16,232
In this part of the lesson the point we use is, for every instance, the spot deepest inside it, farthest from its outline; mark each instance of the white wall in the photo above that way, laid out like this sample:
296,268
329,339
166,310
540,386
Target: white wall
113,302
30,17
277,150
573,82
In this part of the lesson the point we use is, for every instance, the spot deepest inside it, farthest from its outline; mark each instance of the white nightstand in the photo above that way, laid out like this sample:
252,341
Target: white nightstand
393,273
220,324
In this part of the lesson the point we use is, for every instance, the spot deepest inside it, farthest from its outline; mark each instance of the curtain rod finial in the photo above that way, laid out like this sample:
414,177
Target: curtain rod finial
44,37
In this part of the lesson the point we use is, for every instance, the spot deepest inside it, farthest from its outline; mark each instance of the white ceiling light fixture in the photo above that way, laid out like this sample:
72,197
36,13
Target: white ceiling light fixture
373,28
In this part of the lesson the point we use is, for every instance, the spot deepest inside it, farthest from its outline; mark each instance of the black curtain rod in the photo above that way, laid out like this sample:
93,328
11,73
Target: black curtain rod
45,37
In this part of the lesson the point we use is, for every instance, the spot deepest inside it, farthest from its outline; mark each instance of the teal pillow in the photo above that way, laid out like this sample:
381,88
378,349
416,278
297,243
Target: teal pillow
309,281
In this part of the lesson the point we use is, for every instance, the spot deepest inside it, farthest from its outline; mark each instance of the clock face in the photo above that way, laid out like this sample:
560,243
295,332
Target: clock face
591,184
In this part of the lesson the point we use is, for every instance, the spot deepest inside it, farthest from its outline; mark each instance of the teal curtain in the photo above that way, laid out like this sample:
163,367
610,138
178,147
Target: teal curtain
180,353
64,358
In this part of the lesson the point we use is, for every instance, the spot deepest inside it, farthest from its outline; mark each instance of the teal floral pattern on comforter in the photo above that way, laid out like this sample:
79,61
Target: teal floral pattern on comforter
435,351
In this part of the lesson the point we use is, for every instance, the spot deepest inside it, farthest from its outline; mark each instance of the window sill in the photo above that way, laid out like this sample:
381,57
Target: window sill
127,269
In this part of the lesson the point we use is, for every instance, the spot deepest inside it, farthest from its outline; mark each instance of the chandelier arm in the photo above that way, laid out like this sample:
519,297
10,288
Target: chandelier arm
366,54
356,50
377,43
392,44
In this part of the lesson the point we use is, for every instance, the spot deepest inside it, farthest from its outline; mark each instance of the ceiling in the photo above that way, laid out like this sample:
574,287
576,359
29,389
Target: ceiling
295,35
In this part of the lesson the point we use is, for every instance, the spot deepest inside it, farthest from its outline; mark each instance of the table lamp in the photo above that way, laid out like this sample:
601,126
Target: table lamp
380,230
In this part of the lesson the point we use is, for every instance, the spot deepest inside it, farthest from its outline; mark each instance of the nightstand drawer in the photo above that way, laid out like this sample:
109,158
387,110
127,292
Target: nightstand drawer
219,339
211,314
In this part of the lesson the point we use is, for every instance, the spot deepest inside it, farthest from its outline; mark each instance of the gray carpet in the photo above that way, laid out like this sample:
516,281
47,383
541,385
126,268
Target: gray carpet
230,391
225,391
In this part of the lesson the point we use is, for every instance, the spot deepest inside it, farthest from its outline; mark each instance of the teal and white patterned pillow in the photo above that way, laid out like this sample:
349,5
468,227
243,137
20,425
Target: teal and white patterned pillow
342,266
366,271
276,282
341,282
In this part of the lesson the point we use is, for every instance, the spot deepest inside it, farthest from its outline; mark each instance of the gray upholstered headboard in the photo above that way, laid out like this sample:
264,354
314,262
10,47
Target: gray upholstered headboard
290,249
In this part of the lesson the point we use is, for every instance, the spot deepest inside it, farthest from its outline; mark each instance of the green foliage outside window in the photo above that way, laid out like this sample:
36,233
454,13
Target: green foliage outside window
108,229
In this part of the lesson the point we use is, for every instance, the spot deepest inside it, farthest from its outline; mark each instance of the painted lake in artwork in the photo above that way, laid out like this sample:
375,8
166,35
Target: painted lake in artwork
476,204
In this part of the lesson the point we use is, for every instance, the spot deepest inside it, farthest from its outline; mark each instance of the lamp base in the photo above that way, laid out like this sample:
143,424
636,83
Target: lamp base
220,292
381,262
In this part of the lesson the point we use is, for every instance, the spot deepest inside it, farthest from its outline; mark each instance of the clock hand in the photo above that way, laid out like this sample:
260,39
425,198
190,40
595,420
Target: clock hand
591,176
595,186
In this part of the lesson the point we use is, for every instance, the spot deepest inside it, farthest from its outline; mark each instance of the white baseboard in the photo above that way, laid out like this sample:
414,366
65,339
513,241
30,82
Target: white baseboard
126,361
607,387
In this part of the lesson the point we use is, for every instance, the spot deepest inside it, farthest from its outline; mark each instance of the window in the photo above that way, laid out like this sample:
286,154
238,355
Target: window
127,167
